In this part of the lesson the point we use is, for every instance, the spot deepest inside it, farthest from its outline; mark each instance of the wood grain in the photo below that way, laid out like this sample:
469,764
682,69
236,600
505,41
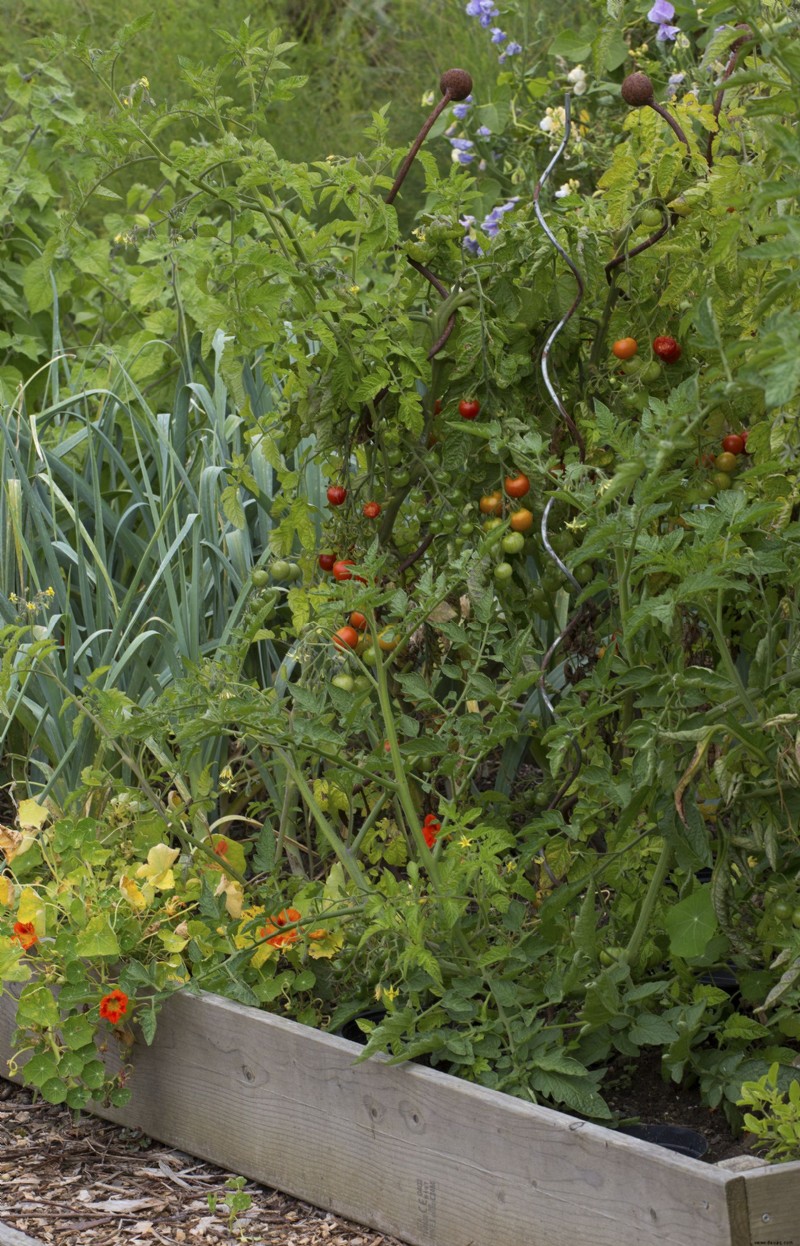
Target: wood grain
773,1205
10,1237
407,1150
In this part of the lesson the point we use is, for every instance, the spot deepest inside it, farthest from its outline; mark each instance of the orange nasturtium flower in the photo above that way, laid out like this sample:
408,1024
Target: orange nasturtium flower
114,1006
280,938
25,934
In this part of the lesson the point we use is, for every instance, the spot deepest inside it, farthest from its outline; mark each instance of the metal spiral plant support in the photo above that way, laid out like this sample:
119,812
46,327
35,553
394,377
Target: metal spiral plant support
565,319
570,423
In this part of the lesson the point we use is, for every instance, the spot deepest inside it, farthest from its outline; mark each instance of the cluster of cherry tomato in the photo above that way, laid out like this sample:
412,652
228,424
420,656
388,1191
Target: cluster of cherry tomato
727,461
664,348
520,520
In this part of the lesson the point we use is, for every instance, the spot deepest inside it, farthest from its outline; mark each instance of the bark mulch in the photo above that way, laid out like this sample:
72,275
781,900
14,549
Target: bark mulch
85,1182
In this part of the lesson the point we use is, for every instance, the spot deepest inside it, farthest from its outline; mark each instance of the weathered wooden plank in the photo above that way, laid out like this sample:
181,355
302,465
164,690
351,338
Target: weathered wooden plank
10,1237
407,1150
773,1204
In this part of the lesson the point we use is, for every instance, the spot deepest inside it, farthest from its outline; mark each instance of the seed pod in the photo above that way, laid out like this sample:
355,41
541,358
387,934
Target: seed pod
637,90
457,82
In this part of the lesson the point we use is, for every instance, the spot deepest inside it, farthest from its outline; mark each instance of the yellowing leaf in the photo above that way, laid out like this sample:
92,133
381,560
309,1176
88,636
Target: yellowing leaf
323,944
31,909
158,870
31,815
6,890
13,843
132,892
234,895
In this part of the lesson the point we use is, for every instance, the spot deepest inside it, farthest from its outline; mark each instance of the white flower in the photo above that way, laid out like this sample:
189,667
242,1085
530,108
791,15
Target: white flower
547,124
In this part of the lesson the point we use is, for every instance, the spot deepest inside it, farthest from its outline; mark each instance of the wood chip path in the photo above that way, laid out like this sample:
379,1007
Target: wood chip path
84,1182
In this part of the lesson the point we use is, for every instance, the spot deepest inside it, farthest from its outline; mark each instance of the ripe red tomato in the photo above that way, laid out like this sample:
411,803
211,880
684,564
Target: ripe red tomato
358,621
326,561
521,520
341,569
372,510
468,408
517,486
625,348
345,638
667,348
336,494
437,406
734,443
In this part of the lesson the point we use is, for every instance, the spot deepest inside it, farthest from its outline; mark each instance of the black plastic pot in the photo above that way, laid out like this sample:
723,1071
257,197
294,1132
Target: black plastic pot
721,977
673,1137
350,1028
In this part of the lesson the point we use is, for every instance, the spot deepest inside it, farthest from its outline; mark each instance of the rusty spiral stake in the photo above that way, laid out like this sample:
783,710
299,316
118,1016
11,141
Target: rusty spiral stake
565,319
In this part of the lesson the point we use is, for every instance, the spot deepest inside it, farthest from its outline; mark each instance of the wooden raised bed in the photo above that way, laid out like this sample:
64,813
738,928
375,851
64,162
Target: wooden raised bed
419,1154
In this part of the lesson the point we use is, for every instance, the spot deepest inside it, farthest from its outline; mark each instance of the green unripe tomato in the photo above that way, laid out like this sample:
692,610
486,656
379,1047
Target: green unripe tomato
584,574
294,572
394,456
448,522
281,570
260,576
401,477
513,542
651,217
503,571
651,372
631,366
345,682
612,955
722,480
489,525
796,919
368,656
362,683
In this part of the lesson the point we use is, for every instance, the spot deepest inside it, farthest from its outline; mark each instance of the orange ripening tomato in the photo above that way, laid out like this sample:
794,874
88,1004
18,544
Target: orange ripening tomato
517,486
358,621
521,520
491,503
625,348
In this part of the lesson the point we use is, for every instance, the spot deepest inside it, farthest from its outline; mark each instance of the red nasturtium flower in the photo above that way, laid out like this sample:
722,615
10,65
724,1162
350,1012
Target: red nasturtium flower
24,934
430,829
114,1006
278,937
221,848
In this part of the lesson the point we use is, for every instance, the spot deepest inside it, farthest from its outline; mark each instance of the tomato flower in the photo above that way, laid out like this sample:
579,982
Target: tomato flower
272,932
25,934
430,829
114,1006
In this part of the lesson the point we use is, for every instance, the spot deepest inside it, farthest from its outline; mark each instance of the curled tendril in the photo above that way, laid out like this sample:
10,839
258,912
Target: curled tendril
552,391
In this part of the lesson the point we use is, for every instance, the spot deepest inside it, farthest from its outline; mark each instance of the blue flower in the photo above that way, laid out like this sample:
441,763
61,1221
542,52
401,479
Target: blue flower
461,110
484,10
662,11
667,33
513,49
498,35
461,144
472,245
483,131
